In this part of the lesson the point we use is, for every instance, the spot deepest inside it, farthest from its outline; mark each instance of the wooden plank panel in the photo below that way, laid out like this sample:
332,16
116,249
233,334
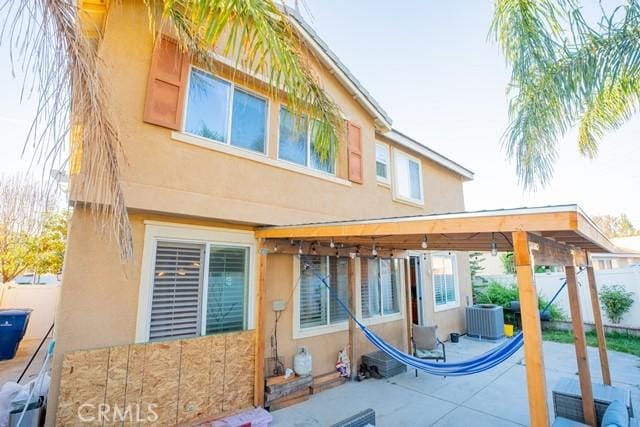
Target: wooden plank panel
534,360
597,315
351,292
584,373
115,395
239,371
193,391
83,384
160,382
216,374
135,375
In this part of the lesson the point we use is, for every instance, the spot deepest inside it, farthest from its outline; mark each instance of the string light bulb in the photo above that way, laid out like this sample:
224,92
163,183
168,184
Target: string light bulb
374,251
275,247
332,244
300,249
313,249
424,243
494,246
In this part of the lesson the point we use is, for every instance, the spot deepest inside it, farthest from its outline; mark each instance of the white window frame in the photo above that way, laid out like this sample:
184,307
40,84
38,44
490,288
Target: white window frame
229,123
396,194
379,318
160,231
381,180
298,331
307,164
456,281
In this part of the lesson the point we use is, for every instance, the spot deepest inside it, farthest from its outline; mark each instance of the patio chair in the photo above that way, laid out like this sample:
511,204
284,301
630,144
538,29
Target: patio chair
426,345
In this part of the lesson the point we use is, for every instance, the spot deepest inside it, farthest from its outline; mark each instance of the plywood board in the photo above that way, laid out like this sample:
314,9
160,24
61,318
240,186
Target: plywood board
82,387
160,382
115,395
135,375
163,383
239,371
216,376
193,394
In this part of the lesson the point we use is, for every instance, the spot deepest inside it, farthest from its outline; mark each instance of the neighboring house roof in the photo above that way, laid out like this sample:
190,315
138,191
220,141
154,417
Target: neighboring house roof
342,73
427,152
629,244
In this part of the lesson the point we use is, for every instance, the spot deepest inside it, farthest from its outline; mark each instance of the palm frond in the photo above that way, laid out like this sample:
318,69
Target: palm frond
565,71
63,69
259,36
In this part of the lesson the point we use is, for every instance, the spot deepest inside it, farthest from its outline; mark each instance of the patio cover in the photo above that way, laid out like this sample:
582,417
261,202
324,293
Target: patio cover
550,235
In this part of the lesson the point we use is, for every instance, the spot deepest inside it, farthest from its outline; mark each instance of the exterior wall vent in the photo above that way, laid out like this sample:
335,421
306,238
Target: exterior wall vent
485,321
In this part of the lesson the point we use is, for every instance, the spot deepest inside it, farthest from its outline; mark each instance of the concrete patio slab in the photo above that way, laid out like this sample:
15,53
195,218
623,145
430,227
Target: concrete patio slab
494,398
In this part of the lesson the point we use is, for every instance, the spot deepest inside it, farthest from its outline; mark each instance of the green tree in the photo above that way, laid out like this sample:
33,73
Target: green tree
565,71
616,301
62,66
49,246
508,265
22,203
475,264
613,226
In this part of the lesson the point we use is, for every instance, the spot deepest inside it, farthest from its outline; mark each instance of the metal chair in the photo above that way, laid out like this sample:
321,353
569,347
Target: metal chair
426,345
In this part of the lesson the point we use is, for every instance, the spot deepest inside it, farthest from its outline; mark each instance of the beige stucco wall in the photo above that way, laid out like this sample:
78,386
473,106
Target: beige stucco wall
165,175
187,183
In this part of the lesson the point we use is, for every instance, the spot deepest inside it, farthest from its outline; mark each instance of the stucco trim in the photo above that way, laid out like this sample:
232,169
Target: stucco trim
456,278
255,157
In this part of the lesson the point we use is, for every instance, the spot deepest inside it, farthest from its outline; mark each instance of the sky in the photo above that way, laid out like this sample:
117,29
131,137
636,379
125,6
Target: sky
434,69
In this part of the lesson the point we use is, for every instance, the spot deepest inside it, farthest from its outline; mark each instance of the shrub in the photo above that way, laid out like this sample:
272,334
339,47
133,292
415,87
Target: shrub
502,294
616,301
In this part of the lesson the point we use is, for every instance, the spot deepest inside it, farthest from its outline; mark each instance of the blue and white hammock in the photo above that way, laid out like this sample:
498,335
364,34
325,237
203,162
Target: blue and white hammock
475,365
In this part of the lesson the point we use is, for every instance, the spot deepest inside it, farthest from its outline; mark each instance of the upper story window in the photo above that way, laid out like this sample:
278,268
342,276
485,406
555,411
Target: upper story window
382,162
408,177
316,306
445,280
220,111
297,142
379,287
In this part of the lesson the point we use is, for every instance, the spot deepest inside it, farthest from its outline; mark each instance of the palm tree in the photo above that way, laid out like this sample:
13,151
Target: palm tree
566,72
48,43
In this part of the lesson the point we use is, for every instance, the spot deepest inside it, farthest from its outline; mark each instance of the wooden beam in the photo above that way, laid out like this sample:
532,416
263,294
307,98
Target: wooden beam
431,224
584,373
597,316
351,273
409,308
534,360
261,272
549,252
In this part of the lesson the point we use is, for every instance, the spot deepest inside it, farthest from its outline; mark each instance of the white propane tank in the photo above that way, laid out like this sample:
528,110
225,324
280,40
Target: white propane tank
302,362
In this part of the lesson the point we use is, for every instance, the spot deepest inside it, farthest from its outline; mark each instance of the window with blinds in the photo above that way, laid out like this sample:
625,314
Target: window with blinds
317,307
444,279
227,289
380,282
183,296
177,290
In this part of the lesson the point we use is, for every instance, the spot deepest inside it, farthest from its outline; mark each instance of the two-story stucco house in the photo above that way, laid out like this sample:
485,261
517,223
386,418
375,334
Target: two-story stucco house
211,157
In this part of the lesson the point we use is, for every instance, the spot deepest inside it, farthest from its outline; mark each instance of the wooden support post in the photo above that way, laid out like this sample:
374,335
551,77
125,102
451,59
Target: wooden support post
351,272
534,359
584,373
409,308
261,264
597,316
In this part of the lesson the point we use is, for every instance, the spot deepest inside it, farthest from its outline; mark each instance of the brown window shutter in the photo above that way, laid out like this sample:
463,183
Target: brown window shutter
167,85
354,137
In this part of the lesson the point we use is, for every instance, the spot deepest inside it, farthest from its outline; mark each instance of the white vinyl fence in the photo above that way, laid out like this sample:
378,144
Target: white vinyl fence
42,299
549,283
